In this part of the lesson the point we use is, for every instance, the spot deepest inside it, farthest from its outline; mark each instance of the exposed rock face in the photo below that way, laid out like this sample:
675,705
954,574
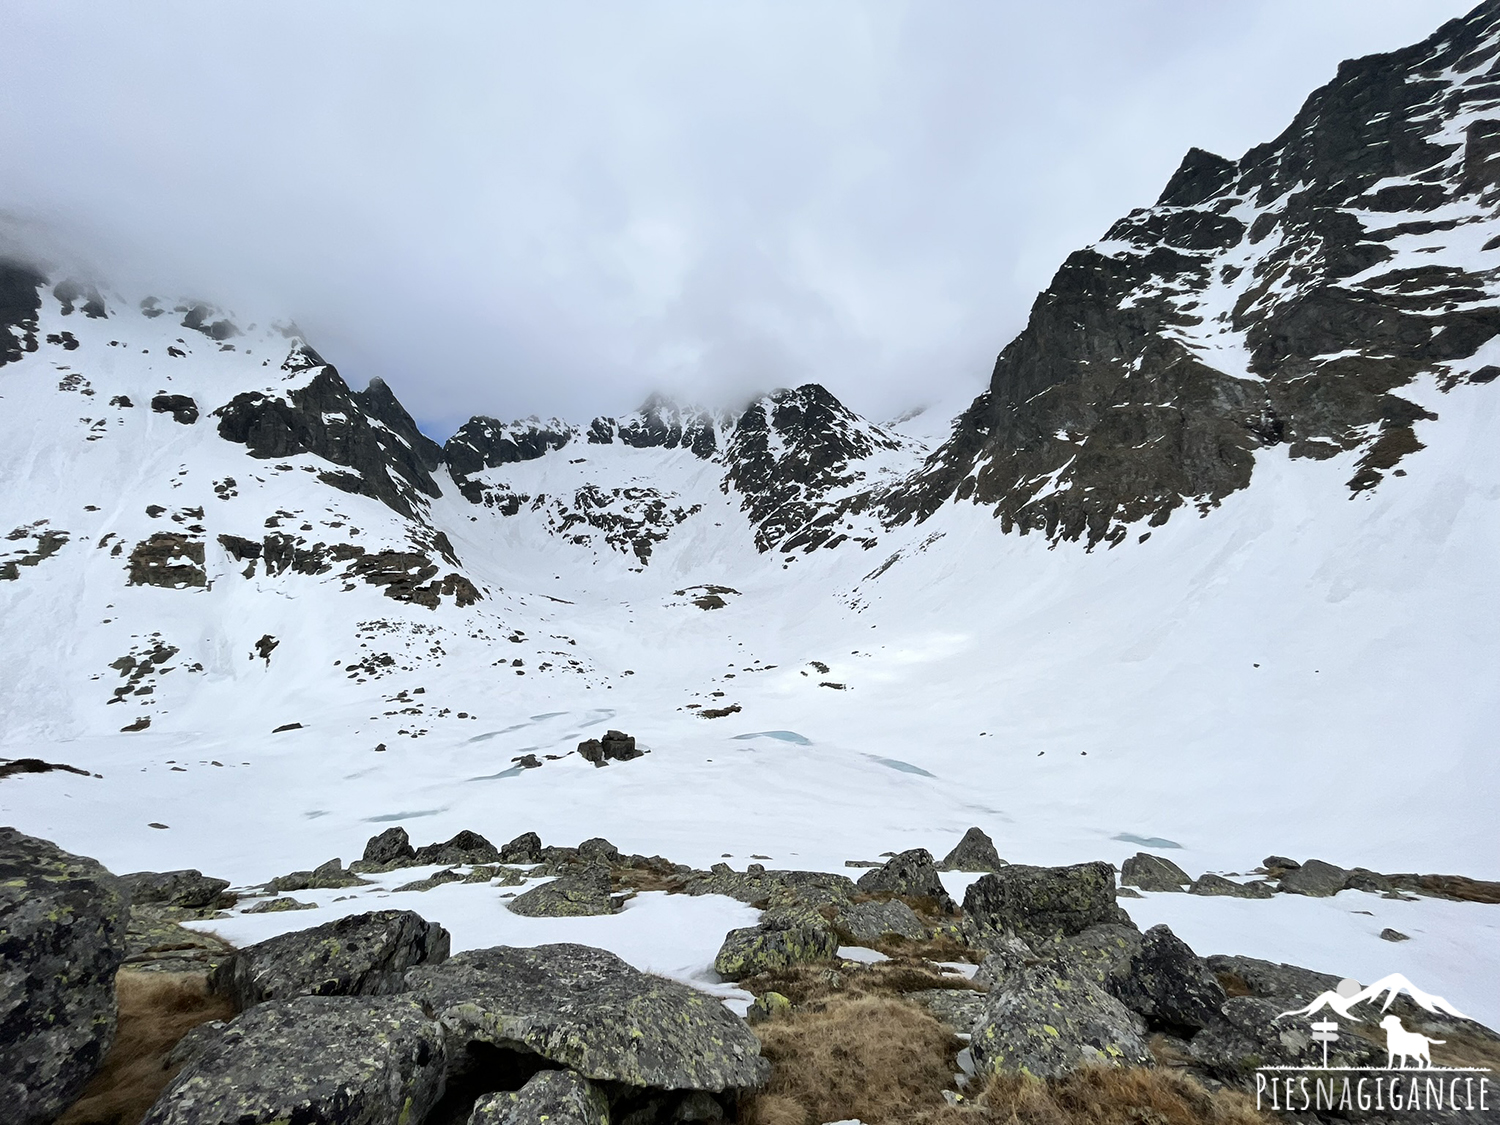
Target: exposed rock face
485,443
1043,902
73,294
912,874
775,944
20,305
975,852
871,921
1315,878
1153,873
663,424
588,1010
169,560
557,1097
791,450
1277,299
1043,1022
63,921
189,888
580,891
392,461
361,955
316,1060
182,408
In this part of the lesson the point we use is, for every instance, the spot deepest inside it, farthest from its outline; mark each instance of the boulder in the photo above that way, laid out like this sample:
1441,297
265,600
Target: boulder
189,888
1316,879
389,848
465,847
525,848
599,848
1046,1023
327,876
872,921
1102,954
774,944
315,1060
63,922
588,1010
1042,902
975,852
361,955
278,905
579,891
912,874
1210,884
1276,864
556,1097
619,746
1153,873
1169,984
768,1006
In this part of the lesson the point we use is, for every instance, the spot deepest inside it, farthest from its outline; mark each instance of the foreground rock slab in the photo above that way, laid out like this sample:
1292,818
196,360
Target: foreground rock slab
557,1097
1042,902
588,1010
316,1060
1042,1022
63,923
361,955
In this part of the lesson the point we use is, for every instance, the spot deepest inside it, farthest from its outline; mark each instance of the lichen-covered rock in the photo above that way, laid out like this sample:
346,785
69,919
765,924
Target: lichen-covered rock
1169,984
315,1060
361,955
775,944
1316,879
768,1006
1005,956
279,904
1043,902
975,852
63,921
911,874
464,847
188,888
1153,873
1103,954
756,884
872,921
553,1097
588,1010
1211,884
156,941
959,1008
389,847
1044,1022
579,891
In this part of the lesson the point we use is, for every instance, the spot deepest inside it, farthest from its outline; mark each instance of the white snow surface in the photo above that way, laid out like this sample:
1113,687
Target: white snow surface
1299,672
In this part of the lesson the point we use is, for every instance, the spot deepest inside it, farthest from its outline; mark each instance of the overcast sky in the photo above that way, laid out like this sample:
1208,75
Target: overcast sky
557,207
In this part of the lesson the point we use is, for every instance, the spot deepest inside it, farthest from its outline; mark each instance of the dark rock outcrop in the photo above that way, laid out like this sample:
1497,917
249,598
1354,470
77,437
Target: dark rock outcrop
1043,902
315,1060
182,408
361,955
63,923
975,852
485,443
588,1010
615,746
20,304
389,847
464,847
169,560
525,848
912,874
1170,985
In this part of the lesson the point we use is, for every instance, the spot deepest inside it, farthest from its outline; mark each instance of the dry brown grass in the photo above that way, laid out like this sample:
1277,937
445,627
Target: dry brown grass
805,984
875,1058
156,1010
1103,1096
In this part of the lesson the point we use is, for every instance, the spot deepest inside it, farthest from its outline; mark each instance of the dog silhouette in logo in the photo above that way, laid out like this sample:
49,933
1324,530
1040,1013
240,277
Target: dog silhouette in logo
1406,1044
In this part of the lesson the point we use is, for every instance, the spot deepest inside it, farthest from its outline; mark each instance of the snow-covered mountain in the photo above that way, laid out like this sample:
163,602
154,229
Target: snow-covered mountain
275,616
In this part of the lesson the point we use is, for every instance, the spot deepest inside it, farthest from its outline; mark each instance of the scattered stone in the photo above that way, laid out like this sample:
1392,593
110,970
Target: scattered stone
1043,902
315,1060
872,921
775,944
582,890
553,1097
1211,884
1153,873
1315,879
188,888
1042,1022
767,1006
588,1010
975,852
912,874
1389,934
63,922
361,955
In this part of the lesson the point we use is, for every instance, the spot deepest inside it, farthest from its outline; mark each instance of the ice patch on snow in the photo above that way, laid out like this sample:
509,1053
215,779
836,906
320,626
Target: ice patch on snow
783,735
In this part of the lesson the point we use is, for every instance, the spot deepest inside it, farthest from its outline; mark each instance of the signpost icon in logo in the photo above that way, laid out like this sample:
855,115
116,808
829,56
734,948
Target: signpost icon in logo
1325,1032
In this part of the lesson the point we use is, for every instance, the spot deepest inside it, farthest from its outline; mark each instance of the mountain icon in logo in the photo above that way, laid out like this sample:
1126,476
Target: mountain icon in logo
1349,994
